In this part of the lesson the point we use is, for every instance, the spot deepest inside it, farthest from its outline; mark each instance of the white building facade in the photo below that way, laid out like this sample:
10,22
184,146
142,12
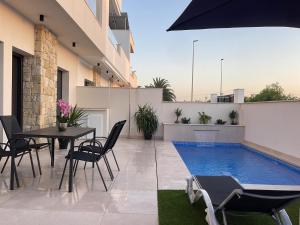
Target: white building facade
50,47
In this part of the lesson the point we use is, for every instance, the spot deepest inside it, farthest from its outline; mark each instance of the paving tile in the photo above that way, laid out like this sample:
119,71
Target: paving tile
39,217
131,199
128,219
138,202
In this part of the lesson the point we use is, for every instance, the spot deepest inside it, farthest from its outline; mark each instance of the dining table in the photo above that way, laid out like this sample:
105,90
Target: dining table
71,133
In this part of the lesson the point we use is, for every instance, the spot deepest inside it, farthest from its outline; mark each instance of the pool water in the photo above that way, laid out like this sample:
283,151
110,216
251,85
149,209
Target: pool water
245,164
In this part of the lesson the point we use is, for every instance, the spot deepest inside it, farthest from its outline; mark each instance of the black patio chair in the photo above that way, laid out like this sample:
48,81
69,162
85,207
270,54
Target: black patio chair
11,126
21,148
225,194
108,145
93,151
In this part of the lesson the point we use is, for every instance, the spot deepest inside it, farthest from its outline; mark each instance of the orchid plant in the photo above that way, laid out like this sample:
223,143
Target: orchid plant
64,111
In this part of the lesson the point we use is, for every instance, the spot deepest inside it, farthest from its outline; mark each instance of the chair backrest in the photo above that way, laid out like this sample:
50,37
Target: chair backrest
114,135
263,201
10,125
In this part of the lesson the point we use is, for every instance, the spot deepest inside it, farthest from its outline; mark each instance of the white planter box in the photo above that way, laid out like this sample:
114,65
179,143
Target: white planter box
204,133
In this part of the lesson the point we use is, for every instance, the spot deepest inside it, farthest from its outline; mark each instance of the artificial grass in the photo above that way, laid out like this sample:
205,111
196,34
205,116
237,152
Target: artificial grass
174,208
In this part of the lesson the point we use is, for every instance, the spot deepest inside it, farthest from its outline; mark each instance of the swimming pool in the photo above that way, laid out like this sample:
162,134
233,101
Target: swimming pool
245,164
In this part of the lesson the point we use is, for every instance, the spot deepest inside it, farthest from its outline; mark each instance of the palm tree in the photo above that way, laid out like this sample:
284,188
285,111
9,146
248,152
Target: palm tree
168,93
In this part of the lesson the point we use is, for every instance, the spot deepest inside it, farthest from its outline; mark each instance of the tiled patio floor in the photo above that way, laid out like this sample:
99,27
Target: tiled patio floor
131,199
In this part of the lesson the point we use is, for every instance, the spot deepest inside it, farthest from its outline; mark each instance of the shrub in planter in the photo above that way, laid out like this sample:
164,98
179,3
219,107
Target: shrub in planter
203,118
220,122
146,121
185,120
76,116
233,115
178,113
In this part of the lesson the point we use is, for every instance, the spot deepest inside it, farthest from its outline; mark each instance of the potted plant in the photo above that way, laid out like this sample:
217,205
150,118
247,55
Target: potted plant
146,121
185,120
69,117
233,115
76,116
178,113
220,122
204,118
64,111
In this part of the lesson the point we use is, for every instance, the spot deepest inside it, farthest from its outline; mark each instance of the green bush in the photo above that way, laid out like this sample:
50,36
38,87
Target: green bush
146,120
204,118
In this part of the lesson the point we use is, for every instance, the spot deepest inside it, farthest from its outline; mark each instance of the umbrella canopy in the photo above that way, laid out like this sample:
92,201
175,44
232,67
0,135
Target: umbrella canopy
206,14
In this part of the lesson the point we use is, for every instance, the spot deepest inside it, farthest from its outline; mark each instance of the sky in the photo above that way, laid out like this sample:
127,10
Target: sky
253,57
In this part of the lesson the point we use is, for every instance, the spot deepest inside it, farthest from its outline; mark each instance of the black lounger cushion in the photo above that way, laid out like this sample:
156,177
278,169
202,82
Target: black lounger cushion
218,187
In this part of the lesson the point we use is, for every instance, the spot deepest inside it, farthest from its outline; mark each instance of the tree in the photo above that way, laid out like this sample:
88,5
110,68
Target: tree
168,93
273,92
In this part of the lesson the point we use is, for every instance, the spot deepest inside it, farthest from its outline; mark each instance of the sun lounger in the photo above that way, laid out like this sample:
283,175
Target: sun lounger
225,194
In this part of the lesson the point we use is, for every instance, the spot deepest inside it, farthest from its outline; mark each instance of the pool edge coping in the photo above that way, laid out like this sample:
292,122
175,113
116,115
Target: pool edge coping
291,160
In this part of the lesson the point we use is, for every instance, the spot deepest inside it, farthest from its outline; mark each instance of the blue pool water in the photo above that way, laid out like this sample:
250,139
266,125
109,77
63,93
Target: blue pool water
239,161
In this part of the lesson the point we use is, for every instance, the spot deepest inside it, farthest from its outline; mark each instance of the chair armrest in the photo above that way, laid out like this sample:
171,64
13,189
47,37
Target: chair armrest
90,142
84,142
101,138
98,143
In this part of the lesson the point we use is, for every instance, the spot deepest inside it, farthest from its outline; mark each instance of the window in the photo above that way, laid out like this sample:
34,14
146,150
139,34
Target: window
226,98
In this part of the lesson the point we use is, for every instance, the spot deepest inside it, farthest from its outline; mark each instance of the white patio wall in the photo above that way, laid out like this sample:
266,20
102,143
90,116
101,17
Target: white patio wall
215,110
122,104
275,125
75,72
11,24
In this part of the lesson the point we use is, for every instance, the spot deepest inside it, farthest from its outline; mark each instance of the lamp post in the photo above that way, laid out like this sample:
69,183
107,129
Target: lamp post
193,63
221,85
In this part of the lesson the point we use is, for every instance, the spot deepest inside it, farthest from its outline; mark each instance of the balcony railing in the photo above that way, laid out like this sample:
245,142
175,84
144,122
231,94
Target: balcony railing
119,22
112,38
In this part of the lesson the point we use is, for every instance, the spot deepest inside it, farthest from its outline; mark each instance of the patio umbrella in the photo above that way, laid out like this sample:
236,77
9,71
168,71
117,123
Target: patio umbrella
206,14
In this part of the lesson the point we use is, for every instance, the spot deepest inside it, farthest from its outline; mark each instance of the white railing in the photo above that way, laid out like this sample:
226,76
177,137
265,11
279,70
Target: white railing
82,11
120,3
117,57
112,38
92,5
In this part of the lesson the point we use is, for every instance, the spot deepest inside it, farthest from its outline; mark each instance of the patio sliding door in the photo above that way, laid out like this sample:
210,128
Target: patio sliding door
59,87
17,87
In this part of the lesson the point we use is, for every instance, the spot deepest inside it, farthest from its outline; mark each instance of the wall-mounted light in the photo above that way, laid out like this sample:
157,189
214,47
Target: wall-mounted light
74,44
42,18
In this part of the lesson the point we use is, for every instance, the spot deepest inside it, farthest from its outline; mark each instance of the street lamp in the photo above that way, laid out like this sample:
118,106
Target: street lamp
221,85
193,63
